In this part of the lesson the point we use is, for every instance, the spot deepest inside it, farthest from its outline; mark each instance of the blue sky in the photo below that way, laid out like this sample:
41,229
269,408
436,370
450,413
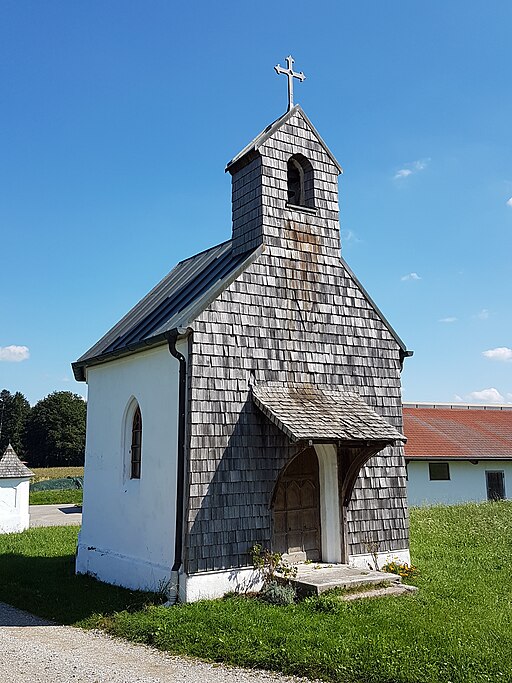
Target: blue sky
117,119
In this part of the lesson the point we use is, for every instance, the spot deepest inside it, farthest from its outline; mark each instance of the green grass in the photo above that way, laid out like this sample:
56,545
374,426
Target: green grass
37,574
457,628
43,473
60,497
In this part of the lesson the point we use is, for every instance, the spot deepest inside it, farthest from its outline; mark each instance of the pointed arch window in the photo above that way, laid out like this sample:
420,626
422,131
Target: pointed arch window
136,447
301,188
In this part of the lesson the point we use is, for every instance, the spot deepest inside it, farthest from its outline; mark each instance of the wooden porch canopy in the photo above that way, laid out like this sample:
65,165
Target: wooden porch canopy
317,415
320,415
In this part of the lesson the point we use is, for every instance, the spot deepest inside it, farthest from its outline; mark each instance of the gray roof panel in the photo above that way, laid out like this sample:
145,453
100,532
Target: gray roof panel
172,303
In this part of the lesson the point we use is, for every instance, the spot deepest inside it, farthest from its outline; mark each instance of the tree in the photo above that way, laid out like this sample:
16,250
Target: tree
55,433
14,411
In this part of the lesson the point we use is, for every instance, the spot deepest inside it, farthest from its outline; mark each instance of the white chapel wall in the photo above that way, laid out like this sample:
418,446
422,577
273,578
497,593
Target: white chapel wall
128,528
467,482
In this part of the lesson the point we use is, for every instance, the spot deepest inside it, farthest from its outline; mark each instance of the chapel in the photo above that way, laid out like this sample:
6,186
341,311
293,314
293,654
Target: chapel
253,396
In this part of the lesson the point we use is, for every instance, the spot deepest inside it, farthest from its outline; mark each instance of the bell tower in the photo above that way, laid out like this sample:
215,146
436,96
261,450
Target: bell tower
285,187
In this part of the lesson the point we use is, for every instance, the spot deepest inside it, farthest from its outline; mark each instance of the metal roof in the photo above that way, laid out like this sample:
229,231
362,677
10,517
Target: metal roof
309,413
262,137
458,432
174,302
11,466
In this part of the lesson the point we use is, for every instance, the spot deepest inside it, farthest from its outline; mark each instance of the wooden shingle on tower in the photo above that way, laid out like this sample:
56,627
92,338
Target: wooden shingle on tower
275,418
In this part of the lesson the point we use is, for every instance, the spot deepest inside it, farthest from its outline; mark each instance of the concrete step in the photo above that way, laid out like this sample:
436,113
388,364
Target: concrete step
316,578
391,590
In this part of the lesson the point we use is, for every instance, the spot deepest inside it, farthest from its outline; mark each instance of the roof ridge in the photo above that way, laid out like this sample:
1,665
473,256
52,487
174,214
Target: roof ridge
265,134
434,405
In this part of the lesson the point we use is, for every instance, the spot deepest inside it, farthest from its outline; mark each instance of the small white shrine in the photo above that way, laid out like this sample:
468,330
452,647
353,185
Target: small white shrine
14,493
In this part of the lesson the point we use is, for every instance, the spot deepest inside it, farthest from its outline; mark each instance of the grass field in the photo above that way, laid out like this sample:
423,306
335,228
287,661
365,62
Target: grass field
43,473
73,496
457,628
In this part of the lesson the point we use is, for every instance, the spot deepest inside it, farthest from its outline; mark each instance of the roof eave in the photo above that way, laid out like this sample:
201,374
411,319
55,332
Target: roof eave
455,458
80,366
17,476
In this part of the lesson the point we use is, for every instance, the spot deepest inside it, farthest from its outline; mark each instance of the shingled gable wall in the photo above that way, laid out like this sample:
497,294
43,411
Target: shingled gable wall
294,316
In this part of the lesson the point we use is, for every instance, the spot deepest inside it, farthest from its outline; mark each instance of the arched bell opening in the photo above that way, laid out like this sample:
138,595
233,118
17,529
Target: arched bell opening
296,531
301,183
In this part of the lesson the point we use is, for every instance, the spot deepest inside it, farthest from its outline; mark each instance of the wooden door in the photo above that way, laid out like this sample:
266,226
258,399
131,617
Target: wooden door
296,510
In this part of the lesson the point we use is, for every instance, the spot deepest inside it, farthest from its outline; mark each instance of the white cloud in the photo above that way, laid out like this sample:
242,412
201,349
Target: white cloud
502,353
403,173
349,236
14,354
410,276
458,398
490,395
410,169
450,319
483,315
509,202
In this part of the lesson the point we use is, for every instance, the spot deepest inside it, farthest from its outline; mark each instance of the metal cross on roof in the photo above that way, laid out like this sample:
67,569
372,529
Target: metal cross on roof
291,75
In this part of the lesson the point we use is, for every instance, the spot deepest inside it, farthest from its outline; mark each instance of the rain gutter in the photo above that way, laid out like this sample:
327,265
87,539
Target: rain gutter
172,338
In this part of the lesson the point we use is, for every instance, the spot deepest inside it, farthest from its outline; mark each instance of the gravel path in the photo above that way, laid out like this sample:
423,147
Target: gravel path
36,651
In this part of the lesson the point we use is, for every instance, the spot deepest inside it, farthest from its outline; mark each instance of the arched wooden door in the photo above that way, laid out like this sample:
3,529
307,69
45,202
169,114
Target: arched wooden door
296,510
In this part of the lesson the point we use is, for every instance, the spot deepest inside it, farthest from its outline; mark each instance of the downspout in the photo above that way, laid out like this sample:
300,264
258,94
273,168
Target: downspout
180,484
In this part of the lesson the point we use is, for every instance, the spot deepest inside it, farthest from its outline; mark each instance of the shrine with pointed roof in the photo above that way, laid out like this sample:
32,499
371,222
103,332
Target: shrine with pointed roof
252,397
14,493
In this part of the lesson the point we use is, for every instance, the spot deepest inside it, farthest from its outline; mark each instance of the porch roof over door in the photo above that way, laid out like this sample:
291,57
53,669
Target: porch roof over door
309,413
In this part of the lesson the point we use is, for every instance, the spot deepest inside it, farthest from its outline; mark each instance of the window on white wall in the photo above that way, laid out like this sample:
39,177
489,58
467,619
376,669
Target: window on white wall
495,481
136,445
439,471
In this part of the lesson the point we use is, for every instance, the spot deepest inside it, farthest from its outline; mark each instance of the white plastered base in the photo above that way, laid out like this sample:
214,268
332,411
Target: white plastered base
122,570
365,561
215,584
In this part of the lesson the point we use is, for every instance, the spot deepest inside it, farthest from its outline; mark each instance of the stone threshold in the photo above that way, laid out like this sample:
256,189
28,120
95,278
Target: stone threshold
318,577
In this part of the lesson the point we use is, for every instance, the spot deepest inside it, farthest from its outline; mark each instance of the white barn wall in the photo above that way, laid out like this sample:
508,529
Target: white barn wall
467,482
128,526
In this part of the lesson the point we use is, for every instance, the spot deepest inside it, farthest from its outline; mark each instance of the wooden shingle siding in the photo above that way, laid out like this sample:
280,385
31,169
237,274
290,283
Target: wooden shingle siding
295,315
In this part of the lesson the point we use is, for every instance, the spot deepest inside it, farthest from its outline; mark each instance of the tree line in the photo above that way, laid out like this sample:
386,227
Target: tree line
49,434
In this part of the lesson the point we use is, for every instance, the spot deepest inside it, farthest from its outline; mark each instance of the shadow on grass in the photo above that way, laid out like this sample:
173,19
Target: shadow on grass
49,588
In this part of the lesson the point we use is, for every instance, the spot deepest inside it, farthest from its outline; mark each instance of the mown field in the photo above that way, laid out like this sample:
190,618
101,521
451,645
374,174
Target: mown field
457,628
43,473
